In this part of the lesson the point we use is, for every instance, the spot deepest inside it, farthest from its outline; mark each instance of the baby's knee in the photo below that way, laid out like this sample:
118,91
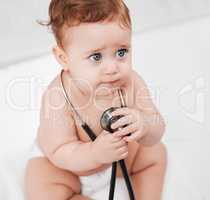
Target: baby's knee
42,180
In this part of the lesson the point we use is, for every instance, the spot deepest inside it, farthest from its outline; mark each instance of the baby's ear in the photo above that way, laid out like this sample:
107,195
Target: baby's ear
61,56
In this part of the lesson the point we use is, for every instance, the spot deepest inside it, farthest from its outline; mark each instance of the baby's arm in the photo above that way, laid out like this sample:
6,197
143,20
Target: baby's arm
154,122
57,135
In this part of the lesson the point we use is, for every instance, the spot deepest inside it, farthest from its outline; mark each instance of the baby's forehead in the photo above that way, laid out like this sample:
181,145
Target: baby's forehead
89,35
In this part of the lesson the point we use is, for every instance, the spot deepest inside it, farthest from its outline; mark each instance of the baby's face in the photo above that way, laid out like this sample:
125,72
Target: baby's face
99,54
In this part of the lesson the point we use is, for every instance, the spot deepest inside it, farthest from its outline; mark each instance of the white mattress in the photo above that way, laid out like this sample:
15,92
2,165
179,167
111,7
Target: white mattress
174,62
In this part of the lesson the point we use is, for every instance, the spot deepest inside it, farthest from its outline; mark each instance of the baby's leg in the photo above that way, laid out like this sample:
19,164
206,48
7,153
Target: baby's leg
45,181
148,172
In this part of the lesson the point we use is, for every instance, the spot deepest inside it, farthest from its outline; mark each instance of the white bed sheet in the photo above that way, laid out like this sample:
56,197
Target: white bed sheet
170,60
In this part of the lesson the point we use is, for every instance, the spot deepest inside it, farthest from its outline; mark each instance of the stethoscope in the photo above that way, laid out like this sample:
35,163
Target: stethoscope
106,120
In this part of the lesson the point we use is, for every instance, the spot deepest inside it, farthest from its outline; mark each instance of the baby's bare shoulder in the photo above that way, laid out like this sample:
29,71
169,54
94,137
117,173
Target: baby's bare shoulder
137,79
57,125
143,99
53,97
140,86
54,90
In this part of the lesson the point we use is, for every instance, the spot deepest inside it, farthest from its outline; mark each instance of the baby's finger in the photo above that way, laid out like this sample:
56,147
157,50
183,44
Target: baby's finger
126,130
136,136
120,143
115,139
122,150
121,111
126,119
123,156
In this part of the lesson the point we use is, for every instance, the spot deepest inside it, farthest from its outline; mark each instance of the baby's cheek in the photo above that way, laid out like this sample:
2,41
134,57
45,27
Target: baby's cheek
126,70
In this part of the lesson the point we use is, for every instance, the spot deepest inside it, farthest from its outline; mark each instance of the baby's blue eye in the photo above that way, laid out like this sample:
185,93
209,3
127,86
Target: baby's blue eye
122,52
96,57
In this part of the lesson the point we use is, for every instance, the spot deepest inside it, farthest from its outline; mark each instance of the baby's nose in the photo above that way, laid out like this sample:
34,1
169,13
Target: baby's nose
111,70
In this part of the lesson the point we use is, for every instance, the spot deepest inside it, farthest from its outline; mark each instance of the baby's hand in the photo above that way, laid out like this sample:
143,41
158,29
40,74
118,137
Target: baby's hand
108,148
132,121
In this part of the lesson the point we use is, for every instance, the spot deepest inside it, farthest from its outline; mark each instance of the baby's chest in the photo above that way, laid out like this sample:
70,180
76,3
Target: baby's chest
92,119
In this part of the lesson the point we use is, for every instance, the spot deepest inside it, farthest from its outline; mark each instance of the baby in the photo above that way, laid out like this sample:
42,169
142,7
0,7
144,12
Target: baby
94,50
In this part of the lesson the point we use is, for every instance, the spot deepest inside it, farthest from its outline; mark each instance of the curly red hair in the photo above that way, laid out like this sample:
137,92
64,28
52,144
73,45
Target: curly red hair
67,13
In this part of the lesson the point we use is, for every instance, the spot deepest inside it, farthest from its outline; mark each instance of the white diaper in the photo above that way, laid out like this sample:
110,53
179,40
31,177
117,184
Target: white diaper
96,186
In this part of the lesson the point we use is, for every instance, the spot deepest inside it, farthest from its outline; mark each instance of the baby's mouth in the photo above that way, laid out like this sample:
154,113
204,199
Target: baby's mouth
113,84
109,88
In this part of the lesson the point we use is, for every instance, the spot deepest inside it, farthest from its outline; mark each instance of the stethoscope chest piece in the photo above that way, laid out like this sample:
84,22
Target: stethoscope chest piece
107,119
